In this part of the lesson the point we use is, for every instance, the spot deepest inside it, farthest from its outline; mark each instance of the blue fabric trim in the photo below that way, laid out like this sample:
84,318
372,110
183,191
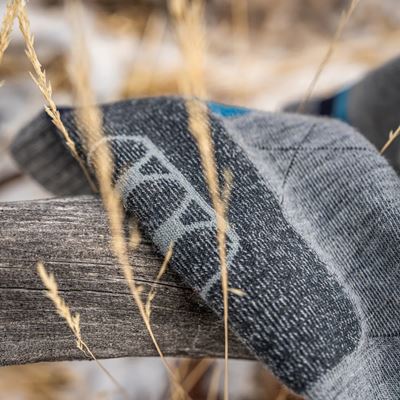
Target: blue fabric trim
227,111
339,107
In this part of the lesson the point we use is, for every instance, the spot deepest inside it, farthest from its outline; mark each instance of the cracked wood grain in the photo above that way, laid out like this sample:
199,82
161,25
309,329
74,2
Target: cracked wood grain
71,237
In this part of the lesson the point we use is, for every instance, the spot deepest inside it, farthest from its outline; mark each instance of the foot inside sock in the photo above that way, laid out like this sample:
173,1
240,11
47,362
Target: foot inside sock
296,316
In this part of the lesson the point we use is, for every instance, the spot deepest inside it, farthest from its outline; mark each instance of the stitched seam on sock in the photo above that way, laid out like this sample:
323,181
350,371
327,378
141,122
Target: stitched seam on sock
292,161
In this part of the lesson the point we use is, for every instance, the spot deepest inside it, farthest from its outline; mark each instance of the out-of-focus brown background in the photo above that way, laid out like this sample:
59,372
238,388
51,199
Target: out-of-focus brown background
261,53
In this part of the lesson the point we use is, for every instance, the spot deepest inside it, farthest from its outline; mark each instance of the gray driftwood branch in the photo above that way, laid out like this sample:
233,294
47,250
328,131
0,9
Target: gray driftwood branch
71,237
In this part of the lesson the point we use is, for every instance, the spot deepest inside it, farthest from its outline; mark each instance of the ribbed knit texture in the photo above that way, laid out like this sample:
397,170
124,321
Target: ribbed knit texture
312,238
41,152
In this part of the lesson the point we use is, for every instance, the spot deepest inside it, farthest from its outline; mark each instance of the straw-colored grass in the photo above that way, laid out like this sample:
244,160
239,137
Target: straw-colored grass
43,381
344,19
90,120
196,374
214,383
72,320
393,135
135,236
141,73
153,290
7,25
191,35
190,373
39,77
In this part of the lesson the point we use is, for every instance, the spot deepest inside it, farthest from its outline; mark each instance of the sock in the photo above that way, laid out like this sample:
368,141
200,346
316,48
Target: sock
371,105
40,152
300,242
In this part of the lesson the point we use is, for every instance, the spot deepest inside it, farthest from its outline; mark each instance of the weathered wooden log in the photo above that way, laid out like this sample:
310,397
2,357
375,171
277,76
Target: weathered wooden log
71,237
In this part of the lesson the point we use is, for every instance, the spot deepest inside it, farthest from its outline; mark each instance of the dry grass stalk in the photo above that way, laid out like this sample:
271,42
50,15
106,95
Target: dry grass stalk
393,135
344,19
283,393
72,320
237,292
181,371
7,25
189,26
141,73
196,374
214,383
90,117
161,272
90,120
183,367
135,237
43,381
190,373
39,77
226,194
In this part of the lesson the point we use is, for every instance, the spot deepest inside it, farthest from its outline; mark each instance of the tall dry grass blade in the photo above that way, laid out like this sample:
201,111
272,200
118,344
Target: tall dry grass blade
190,376
283,393
183,367
135,236
392,137
90,120
344,19
141,73
7,25
237,292
39,77
191,35
196,374
214,383
72,320
47,381
161,272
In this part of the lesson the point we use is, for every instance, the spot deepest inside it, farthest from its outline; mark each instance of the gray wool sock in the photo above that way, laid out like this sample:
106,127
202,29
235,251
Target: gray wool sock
304,256
370,105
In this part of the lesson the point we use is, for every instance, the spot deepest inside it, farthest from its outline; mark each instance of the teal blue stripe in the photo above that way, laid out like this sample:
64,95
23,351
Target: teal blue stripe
339,107
227,111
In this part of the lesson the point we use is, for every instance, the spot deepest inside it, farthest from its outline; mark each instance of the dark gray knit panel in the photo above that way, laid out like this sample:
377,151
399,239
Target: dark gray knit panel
295,315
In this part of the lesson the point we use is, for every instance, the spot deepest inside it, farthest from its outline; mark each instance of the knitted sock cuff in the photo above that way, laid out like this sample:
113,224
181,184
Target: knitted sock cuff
42,153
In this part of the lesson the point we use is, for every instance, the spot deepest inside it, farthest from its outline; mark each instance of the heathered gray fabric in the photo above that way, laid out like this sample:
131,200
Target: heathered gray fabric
344,200
312,238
